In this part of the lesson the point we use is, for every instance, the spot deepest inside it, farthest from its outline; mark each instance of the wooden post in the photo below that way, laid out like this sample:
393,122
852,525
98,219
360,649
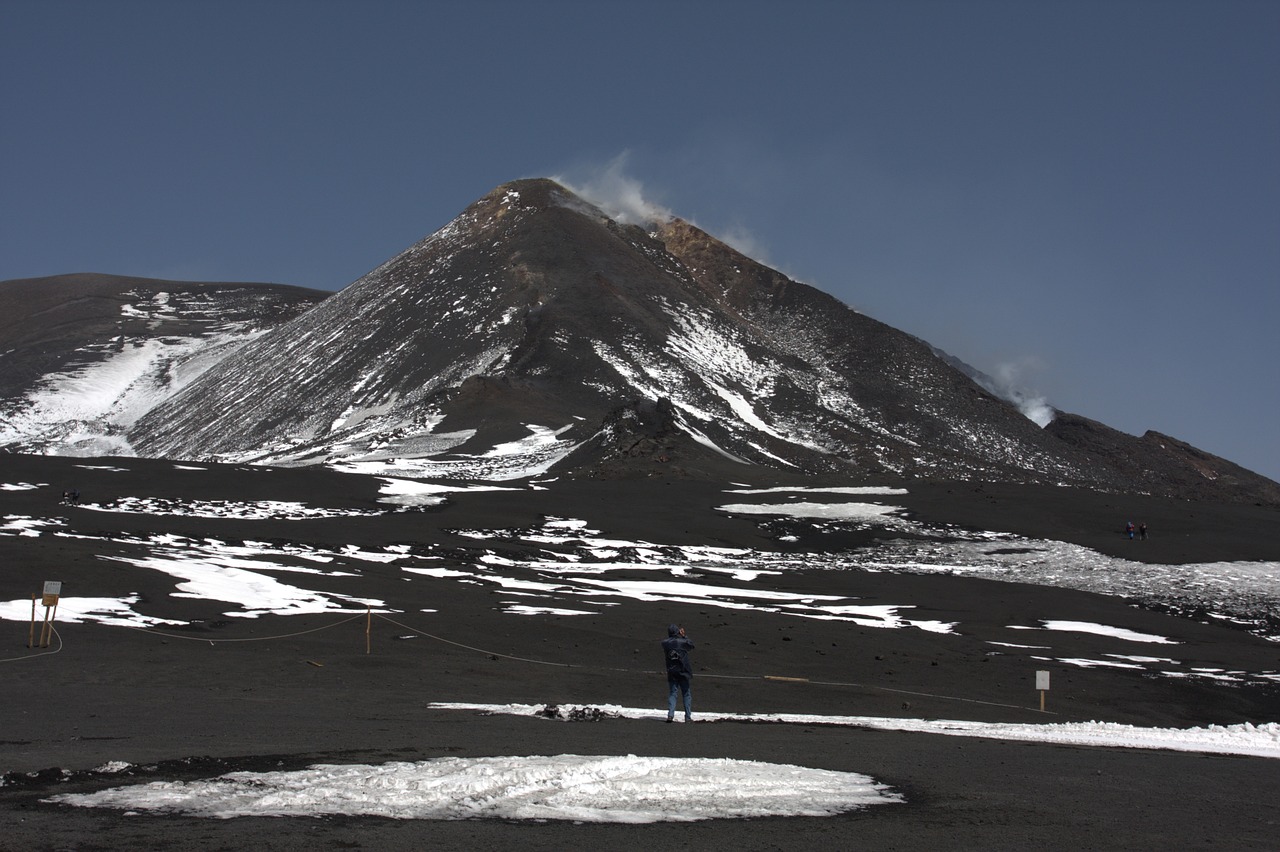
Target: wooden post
1042,684
368,627
45,630
31,634
1042,701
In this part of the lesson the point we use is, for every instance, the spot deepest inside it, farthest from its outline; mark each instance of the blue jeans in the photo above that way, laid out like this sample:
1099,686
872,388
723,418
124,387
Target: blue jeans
679,684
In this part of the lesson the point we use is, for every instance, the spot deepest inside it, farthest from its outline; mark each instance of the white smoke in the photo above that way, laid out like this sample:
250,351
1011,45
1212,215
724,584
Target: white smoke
619,195
622,198
1008,383
744,242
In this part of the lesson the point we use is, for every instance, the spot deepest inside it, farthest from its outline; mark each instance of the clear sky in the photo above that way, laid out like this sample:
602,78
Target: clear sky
1081,196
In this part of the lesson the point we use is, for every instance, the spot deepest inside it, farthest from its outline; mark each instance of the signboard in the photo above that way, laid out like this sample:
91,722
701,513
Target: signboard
52,589
1042,680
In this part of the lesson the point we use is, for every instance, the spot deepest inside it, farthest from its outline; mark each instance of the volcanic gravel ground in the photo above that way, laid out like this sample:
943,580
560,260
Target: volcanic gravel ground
186,708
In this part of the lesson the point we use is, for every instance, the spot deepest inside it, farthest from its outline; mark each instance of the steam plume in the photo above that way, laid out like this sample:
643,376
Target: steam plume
1007,383
618,194
622,199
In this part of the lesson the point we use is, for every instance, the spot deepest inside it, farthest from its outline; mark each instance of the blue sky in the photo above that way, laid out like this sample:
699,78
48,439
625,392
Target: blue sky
1084,197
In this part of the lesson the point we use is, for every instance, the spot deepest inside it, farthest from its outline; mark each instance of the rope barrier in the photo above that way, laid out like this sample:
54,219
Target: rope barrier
933,695
709,675
247,639
192,638
805,680
480,650
498,654
42,653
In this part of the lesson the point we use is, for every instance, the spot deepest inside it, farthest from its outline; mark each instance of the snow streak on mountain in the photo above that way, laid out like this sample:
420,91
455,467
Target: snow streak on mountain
83,356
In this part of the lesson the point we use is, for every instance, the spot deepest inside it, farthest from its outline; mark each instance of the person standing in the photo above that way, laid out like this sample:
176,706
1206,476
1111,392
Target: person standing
675,651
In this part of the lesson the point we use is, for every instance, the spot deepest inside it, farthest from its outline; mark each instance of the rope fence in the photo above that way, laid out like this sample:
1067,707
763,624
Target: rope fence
369,615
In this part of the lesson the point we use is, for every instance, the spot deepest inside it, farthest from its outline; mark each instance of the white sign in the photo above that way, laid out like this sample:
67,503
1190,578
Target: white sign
53,587
1042,681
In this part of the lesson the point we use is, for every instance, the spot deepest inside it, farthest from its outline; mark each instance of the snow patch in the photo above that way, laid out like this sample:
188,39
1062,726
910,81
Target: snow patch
602,789
1246,738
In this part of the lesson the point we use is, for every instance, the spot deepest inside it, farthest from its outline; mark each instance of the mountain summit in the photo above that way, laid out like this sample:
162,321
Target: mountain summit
513,333
534,333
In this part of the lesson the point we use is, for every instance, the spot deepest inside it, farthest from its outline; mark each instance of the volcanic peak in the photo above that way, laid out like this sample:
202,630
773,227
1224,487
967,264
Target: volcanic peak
533,332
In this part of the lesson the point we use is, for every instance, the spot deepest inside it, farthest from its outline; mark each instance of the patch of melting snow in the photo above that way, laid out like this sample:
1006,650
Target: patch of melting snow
27,526
219,571
117,612
1099,630
254,592
526,609
1247,591
518,460
868,490
861,512
1084,663
278,510
1137,658
21,486
604,789
416,493
1260,740
540,439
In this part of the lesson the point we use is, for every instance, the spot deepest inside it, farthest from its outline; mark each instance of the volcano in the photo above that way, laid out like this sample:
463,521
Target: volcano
535,334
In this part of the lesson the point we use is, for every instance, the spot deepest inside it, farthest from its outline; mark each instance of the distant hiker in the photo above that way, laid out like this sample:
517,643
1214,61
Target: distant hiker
675,651
1128,528
1142,531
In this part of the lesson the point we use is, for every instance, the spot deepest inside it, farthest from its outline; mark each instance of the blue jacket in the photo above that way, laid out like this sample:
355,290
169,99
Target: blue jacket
675,652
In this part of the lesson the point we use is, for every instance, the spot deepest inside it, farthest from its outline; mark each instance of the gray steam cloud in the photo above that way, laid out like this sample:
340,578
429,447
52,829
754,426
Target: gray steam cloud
622,198
619,195
744,242
1007,383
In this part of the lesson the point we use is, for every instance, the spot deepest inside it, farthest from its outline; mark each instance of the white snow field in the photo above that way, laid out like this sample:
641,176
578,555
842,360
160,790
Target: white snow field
1244,739
619,789
85,409
622,789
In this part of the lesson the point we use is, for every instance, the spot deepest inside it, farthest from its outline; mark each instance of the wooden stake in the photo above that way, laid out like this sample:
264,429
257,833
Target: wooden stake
45,630
368,627
31,634
1042,701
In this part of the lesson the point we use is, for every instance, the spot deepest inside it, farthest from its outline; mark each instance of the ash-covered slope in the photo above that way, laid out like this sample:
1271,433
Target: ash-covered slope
524,330
531,333
1159,464
481,335
82,356
872,395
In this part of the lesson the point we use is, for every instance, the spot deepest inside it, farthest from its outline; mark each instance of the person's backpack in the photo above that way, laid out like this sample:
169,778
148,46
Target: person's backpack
674,663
